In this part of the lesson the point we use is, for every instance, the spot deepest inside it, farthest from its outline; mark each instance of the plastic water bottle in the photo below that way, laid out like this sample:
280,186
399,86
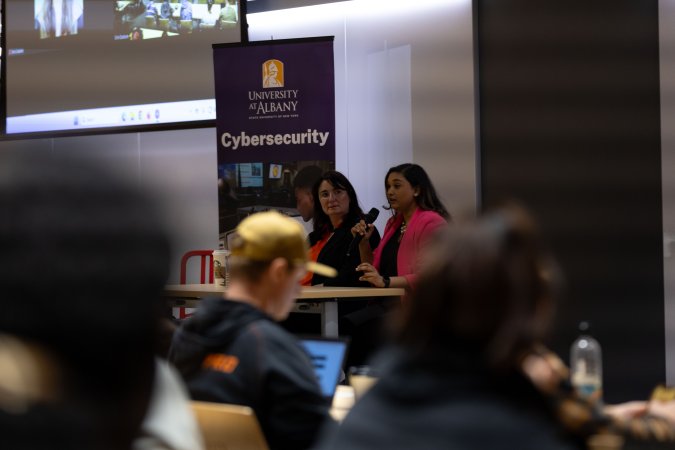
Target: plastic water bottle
586,365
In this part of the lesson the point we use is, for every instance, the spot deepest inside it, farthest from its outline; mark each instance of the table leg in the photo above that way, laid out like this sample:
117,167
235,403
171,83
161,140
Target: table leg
329,319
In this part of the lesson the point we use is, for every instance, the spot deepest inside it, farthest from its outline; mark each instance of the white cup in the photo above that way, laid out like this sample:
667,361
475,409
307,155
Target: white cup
362,378
220,274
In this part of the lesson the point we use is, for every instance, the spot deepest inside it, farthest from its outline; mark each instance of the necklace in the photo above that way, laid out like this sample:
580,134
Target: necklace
403,228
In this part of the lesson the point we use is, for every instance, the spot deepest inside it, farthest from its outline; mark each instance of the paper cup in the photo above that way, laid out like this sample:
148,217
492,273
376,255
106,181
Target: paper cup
362,378
220,275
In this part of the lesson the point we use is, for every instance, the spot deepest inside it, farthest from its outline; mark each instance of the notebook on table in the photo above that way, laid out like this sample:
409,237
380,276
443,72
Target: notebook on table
327,355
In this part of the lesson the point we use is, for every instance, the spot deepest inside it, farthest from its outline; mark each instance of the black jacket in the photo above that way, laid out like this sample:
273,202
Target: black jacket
452,404
231,352
334,254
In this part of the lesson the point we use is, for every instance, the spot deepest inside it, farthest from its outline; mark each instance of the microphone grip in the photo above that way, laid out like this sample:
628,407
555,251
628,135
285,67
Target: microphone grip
368,219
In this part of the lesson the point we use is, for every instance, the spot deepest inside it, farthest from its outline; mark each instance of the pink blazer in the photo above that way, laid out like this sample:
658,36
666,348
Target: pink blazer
422,225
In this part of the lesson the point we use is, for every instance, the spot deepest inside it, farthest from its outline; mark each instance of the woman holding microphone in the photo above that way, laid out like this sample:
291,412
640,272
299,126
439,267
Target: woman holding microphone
336,210
417,214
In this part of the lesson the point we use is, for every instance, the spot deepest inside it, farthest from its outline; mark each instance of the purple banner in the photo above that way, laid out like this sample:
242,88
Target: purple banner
275,101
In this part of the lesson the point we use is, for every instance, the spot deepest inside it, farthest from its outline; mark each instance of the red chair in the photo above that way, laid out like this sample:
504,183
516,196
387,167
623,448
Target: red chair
205,255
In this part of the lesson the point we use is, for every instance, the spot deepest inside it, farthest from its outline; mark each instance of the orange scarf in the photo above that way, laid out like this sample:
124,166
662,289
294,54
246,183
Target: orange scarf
313,255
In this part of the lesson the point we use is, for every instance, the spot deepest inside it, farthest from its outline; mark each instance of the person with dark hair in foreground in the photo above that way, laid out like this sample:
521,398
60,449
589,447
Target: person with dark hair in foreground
233,351
83,261
466,371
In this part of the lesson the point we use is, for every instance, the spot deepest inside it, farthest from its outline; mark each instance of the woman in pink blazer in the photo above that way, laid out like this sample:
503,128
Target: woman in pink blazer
418,213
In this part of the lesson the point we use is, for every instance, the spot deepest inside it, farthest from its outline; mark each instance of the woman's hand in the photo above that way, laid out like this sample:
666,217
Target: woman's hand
663,409
370,274
626,411
363,229
544,368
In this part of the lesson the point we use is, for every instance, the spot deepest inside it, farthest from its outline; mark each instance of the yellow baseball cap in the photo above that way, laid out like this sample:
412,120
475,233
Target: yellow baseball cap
268,235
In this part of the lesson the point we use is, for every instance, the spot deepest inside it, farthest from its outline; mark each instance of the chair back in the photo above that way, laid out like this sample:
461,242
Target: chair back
228,427
205,255
182,312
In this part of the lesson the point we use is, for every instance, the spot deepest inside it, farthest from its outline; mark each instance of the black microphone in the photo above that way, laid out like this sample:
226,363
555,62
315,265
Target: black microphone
368,219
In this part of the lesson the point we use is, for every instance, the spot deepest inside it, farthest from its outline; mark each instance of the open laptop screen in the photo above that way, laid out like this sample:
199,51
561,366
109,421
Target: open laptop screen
327,356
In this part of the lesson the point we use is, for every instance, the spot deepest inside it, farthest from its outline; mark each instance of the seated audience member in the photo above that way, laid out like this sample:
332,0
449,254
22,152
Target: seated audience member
211,18
636,421
185,10
336,211
302,186
136,34
134,9
228,13
233,351
458,377
83,263
150,10
418,214
165,10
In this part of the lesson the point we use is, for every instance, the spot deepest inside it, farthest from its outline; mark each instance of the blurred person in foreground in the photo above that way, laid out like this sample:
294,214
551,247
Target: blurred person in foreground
469,370
83,261
233,351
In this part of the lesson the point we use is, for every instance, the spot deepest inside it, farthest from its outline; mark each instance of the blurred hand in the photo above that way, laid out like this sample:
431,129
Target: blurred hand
545,369
626,411
370,274
663,409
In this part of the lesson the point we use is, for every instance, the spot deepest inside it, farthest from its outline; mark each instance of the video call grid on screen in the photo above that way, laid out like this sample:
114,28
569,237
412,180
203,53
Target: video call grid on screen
83,55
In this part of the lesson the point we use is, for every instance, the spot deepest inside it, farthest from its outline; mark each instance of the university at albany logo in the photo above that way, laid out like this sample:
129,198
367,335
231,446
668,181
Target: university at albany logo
273,73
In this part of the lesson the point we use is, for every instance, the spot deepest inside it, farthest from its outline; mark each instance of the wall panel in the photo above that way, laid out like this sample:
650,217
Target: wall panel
569,118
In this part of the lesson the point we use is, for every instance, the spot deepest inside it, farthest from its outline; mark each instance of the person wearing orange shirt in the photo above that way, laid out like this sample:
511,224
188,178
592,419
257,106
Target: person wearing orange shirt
336,211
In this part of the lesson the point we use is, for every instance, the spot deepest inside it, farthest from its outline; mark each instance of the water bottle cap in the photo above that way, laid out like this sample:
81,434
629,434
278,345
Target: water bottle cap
585,326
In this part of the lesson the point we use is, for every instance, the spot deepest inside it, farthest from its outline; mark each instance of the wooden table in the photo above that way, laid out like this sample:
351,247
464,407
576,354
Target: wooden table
319,299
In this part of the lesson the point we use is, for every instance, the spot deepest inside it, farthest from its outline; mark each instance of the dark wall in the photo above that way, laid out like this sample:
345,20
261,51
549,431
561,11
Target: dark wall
569,124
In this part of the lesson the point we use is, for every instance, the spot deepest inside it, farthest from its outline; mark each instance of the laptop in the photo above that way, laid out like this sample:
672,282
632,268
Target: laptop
327,355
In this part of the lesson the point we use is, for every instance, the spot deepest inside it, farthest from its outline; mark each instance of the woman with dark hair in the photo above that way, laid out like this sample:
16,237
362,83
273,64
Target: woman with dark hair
418,213
336,210
468,370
